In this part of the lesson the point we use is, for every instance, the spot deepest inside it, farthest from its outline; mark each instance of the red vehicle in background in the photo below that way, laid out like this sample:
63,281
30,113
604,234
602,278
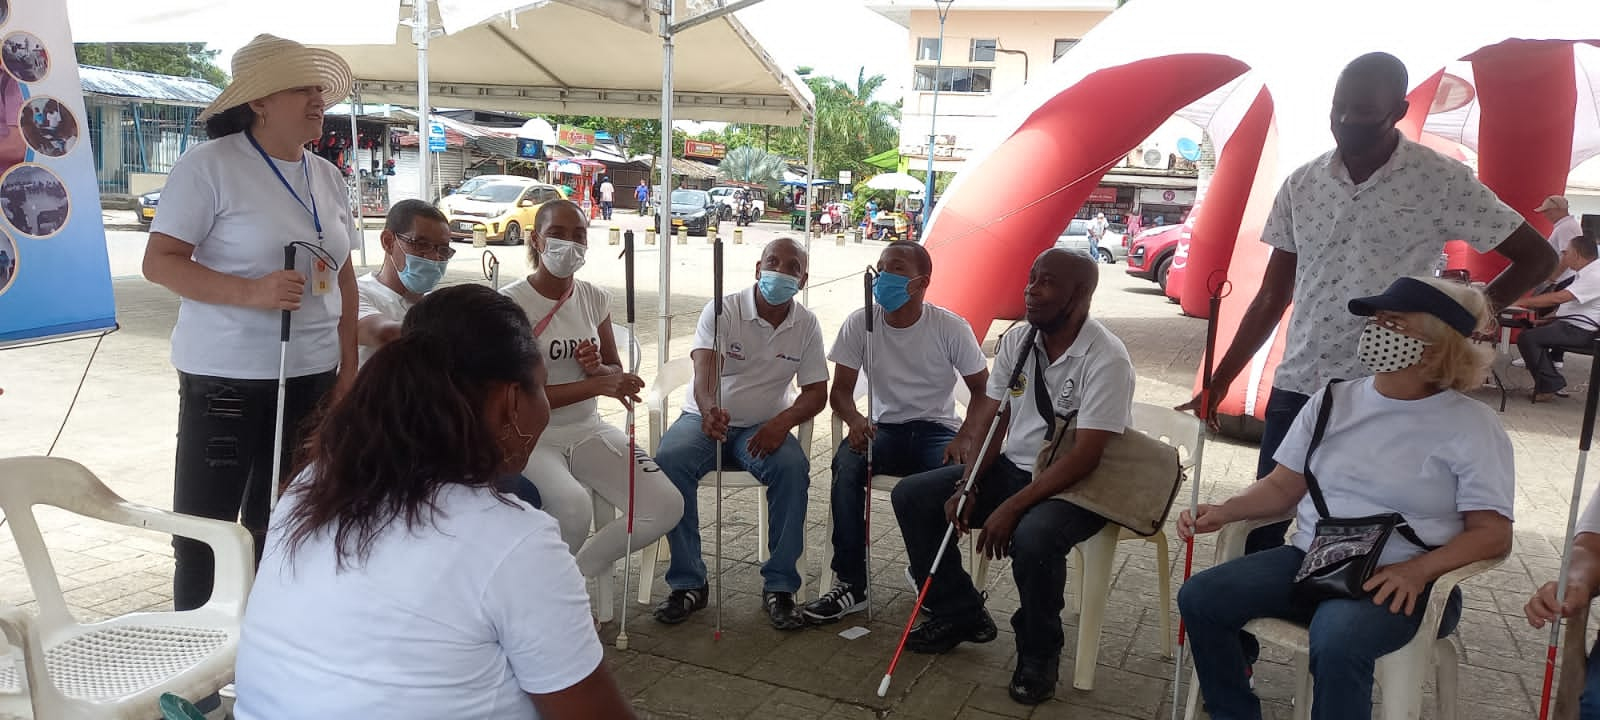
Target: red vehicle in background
1150,253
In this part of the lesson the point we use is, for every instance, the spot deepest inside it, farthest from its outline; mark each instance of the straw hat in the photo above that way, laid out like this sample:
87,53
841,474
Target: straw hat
272,64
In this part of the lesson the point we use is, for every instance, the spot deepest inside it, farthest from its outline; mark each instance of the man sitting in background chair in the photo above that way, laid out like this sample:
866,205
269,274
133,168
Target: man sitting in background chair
1574,323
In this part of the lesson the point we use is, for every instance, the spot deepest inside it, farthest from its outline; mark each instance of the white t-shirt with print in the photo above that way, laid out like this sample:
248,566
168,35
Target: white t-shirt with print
1585,302
916,368
223,199
458,618
1429,460
1093,378
578,320
761,363
1352,241
378,299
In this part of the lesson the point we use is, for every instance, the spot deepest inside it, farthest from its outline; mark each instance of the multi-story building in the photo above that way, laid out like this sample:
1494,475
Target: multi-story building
991,49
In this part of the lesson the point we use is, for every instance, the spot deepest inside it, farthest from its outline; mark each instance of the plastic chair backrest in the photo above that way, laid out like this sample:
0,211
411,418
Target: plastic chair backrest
1178,429
29,481
627,347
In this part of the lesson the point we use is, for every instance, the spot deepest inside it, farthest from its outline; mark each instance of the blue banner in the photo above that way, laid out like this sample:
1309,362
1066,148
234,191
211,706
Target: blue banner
55,277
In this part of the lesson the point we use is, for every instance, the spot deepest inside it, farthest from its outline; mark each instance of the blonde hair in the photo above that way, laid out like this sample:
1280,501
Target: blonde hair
1457,363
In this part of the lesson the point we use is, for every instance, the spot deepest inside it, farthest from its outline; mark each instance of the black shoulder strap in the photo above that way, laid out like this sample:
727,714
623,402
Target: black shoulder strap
1041,398
1323,413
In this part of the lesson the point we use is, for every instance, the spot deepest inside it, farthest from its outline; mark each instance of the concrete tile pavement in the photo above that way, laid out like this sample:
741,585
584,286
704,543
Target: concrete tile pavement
125,418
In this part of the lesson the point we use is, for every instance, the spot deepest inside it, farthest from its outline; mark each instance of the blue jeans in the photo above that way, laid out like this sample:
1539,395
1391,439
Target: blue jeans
1044,535
1589,702
898,449
686,455
1094,248
1347,636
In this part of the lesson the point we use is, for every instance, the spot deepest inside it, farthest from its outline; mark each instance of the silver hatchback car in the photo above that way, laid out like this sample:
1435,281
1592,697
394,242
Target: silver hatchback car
1076,239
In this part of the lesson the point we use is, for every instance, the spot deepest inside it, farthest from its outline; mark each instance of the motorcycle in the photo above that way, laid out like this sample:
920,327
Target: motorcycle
746,212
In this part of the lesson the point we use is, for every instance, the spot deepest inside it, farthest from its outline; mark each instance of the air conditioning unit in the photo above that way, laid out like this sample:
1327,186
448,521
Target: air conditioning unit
1152,157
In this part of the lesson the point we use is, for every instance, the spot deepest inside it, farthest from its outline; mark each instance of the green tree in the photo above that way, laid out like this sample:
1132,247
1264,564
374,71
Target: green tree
191,60
851,126
753,165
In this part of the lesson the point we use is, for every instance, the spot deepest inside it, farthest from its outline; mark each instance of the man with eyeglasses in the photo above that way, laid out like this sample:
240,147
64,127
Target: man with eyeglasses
416,252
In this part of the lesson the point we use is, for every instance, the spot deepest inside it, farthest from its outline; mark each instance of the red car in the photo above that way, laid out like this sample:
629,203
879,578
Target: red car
1150,253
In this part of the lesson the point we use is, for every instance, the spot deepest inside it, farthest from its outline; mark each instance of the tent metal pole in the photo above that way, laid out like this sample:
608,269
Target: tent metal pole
664,196
420,32
355,174
811,174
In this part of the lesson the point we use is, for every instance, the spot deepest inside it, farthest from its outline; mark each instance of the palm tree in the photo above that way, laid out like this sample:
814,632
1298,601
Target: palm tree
752,165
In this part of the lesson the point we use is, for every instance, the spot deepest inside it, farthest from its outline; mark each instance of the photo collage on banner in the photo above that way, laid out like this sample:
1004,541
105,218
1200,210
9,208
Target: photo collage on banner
55,277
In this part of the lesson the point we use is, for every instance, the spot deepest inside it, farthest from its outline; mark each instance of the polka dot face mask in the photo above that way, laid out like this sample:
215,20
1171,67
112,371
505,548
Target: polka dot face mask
1383,350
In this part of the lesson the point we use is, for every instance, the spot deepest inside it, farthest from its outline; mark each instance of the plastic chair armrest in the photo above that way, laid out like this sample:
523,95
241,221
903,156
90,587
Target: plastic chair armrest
231,545
1447,582
1230,540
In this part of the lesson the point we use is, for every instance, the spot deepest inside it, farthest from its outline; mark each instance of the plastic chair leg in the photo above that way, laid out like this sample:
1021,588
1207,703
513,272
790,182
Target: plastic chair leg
980,574
1302,687
761,525
1098,553
824,569
605,586
647,569
1447,665
1192,705
1164,580
1400,675
1075,581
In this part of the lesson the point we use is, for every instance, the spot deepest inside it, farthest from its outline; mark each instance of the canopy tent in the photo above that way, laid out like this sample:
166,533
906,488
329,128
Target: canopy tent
887,160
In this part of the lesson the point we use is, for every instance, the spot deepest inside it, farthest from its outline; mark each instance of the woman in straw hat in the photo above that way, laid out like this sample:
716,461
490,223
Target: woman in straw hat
229,208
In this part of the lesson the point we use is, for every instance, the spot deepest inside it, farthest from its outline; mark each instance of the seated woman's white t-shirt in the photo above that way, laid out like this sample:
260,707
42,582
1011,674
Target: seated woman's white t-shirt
1429,460
459,618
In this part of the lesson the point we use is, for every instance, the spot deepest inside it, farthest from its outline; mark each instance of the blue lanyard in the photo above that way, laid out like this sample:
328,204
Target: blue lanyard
316,222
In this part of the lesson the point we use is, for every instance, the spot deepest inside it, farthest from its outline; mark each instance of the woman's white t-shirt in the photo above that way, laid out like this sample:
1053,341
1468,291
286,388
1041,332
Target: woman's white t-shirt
1429,460
224,199
577,320
459,618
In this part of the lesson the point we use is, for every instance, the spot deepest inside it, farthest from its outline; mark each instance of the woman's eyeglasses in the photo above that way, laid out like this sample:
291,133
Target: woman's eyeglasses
427,250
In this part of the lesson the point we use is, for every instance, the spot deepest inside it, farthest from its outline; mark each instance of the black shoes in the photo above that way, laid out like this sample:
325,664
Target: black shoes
782,612
842,600
1035,679
940,634
680,605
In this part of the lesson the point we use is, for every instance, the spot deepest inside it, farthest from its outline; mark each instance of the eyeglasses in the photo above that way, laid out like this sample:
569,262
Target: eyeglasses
428,250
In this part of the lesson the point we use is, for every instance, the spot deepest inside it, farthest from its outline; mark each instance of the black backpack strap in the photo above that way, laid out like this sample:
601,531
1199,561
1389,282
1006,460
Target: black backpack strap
1041,398
1323,413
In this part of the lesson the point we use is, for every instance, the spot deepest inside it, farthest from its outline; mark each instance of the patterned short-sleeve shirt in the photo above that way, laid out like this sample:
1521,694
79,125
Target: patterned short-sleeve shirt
1353,240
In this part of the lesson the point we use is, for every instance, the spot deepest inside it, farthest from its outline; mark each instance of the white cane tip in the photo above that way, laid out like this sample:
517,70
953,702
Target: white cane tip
622,642
883,687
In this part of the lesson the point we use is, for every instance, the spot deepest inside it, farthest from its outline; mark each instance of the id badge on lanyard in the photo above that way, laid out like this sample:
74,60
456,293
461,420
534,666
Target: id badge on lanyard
322,273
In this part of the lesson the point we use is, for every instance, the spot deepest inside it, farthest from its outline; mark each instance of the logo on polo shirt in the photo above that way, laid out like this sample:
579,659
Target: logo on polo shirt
1022,386
790,358
1067,400
736,351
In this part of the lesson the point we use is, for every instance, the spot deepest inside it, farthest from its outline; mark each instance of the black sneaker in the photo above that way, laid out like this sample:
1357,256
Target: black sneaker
1035,679
782,612
680,605
837,603
940,634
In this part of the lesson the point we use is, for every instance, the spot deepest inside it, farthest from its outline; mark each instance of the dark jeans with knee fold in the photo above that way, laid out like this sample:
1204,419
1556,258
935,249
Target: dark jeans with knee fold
901,449
1044,535
224,461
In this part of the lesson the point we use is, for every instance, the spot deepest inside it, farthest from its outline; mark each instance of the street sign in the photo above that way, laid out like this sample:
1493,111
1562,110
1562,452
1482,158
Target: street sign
844,177
708,150
436,142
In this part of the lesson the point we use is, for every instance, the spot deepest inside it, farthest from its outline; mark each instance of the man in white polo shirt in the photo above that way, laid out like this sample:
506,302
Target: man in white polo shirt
416,251
1574,322
1077,366
769,342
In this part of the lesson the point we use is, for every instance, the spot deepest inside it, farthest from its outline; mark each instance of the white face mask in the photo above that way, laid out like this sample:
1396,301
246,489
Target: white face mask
562,258
1383,350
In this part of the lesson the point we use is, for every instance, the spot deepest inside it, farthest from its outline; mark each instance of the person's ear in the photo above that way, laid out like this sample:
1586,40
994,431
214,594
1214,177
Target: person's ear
1400,110
803,277
386,240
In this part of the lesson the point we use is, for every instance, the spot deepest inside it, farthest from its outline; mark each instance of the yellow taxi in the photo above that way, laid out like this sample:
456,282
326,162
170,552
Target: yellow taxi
505,208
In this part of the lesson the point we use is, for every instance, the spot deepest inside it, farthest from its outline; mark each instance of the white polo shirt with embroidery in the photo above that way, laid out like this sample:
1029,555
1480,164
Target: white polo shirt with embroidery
761,364
1093,378
1352,241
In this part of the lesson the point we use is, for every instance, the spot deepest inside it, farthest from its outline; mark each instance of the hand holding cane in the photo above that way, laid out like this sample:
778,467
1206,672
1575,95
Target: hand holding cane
633,445
1219,288
1584,438
283,391
966,494
866,366
716,353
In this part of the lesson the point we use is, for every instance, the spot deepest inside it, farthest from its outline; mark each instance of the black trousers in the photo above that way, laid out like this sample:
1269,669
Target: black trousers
224,464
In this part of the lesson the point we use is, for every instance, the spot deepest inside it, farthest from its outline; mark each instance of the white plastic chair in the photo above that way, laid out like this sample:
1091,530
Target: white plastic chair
1400,674
885,483
118,668
673,376
1089,588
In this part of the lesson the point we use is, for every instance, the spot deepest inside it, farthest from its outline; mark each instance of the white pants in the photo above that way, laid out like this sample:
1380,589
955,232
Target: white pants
572,460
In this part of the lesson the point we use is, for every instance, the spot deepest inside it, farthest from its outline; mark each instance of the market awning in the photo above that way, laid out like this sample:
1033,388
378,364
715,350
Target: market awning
887,160
562,59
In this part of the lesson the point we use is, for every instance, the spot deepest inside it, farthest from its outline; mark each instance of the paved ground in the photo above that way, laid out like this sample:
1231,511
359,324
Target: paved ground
124,421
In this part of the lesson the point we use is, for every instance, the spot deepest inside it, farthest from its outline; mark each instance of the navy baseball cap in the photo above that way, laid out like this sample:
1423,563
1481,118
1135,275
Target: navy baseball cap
1413,295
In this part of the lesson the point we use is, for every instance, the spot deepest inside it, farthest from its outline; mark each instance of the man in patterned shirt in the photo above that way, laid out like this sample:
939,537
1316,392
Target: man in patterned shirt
1344,225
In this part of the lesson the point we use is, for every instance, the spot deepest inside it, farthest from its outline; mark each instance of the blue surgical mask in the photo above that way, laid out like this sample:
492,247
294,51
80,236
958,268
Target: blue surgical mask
420,274
891,290
777,287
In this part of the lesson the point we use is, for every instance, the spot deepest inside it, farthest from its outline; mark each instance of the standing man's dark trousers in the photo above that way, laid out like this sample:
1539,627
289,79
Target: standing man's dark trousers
1044,535
1533,343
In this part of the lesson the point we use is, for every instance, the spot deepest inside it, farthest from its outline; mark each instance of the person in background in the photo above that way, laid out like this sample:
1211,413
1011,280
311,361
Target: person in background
1404,440
641,195
1575,321
409,560
608,196
416,253
229,208
768,342
1074,367
580,452
919,351
13,146
1096,232
1564,225
1398,203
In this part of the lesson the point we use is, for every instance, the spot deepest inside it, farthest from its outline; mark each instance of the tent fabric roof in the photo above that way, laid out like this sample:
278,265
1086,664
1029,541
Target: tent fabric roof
146,86
541,61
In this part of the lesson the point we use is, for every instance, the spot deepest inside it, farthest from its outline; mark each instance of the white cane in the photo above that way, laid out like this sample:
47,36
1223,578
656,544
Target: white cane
633,445
283,392
716,353
866,366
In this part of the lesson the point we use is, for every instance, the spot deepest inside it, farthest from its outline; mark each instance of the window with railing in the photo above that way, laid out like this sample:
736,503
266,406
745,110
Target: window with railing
928,49
983,49
953,79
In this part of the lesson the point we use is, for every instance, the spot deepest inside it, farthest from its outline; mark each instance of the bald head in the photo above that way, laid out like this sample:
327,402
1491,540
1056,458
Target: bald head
784,255
1061,284
1367,103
